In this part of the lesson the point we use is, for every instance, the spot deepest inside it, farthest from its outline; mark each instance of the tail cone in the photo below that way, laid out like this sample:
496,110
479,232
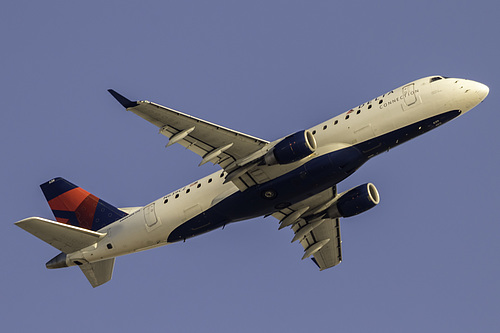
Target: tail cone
58,261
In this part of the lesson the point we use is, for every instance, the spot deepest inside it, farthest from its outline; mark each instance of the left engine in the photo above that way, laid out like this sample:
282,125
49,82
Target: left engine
355,201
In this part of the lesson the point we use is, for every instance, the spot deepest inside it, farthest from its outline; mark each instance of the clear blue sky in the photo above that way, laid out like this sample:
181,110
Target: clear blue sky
425,260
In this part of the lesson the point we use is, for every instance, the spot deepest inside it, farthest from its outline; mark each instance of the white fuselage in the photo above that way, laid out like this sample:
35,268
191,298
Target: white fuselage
151,225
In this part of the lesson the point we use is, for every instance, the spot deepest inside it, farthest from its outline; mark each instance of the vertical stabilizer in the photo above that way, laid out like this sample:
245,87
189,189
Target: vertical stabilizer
73,205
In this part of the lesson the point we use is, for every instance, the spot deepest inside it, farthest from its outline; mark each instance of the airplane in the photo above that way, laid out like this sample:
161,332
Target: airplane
293,179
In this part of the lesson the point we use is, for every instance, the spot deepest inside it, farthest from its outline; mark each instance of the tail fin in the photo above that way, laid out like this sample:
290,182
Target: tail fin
75,206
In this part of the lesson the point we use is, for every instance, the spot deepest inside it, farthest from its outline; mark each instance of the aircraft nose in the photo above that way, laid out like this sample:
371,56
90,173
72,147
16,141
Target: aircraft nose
473,93
481,90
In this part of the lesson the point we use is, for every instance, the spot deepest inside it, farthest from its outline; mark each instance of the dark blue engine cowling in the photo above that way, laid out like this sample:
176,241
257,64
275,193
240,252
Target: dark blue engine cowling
355,201
293,148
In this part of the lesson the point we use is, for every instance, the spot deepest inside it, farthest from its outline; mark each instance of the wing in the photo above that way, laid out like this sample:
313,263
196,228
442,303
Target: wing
319,236
324,244
230,149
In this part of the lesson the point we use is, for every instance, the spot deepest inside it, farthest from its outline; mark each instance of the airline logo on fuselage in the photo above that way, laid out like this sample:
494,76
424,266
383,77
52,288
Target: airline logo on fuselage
408,95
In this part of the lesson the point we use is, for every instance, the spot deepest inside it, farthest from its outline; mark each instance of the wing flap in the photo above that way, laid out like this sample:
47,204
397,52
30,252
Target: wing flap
64,237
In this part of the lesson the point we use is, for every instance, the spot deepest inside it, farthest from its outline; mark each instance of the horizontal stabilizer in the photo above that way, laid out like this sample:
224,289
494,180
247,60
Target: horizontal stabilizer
64,237
98,272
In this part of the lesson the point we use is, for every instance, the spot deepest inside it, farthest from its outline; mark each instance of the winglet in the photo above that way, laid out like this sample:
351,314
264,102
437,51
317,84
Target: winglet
122,99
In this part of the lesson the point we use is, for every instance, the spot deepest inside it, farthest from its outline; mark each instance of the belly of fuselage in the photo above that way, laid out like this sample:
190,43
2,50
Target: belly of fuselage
307,180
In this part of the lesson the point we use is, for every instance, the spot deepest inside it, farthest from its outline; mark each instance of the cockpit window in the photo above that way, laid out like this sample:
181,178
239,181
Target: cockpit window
435,78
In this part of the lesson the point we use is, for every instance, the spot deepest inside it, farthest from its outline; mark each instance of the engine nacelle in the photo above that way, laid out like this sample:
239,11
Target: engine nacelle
291,149
355,201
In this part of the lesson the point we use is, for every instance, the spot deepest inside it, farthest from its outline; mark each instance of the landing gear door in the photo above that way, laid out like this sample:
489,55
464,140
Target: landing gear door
150,216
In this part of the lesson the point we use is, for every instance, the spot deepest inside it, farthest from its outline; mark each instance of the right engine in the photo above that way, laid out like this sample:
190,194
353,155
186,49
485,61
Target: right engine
355,201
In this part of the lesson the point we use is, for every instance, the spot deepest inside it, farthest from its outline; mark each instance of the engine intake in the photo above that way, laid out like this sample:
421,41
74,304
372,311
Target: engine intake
355,201
291,149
